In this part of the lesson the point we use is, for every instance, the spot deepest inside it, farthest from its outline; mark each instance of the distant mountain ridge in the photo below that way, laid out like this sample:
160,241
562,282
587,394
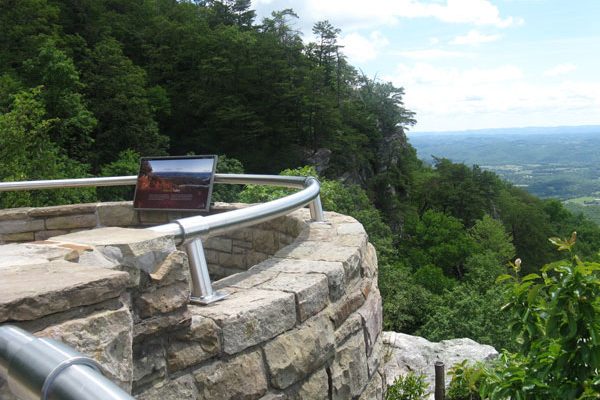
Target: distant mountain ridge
517,130
559,162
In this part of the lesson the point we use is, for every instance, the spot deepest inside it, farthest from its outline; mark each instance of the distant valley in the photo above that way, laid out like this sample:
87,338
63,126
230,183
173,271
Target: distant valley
556,162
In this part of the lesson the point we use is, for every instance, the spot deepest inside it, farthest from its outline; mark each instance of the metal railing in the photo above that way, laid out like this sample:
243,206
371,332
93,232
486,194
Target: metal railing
46,369
191,230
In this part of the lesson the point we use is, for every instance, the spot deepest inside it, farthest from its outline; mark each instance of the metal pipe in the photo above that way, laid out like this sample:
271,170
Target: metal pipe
41,368
229,179
68,183
202,290
191,227
316,210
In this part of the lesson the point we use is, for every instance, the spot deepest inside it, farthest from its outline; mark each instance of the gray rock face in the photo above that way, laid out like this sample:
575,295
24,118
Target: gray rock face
405,353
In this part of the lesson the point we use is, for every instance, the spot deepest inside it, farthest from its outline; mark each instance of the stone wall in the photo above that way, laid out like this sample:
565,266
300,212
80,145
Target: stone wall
303,319
226,255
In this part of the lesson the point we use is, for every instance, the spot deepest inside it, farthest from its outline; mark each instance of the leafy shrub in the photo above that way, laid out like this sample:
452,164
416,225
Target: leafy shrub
126,164
465,381
408,387
406,304
228,193
28,153
555,320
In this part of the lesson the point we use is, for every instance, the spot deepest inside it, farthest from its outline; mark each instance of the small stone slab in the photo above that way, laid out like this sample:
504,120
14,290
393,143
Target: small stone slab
89,208
104,335
315,388
294,355
9,214
178,389
372,315
72,221
32,291
311,291
241,378
110,236
349,256
349,374
117,214
249,317
333,270
12,255
139,248
21,225
199,342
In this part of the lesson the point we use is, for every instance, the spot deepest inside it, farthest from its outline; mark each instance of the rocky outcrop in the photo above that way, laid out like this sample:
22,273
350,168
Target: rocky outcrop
405,353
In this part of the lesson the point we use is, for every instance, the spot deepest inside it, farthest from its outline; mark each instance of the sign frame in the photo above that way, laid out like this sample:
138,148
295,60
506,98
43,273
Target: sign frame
155,205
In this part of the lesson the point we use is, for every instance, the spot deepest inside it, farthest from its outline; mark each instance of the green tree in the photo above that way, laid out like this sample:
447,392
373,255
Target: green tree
119,98
27,153
440,240
488,234
56,73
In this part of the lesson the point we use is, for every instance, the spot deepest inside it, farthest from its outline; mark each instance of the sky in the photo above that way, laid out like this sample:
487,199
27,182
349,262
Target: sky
202,165
471,64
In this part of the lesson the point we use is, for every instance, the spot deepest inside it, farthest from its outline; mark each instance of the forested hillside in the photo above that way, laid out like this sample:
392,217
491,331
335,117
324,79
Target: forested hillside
88,86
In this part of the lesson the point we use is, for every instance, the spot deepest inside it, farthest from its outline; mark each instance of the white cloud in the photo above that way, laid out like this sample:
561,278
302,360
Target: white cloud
359,48
424,73
356,14
560,69
452,98
431,54
474,37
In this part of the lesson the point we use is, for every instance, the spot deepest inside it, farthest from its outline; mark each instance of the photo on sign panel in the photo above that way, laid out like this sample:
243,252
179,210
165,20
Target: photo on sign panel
175,183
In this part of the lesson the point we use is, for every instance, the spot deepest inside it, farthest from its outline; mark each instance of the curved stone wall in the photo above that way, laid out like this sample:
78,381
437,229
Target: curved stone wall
303,320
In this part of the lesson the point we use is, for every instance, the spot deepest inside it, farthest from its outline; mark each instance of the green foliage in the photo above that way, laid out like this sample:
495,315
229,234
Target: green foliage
408,387
488,234
128,163
227,193
120,99
466,311
406,304
27,153
555,320
53,70
465,381
441,240
433,279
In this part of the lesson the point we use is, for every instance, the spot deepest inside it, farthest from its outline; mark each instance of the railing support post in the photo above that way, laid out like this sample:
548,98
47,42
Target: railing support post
202,290
316,210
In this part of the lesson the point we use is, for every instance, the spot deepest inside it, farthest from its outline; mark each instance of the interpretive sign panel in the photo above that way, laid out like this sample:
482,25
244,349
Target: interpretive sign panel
175,183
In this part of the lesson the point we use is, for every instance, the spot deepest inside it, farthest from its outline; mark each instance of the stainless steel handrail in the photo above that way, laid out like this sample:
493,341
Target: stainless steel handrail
21,353
41,368
191,230
130,180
